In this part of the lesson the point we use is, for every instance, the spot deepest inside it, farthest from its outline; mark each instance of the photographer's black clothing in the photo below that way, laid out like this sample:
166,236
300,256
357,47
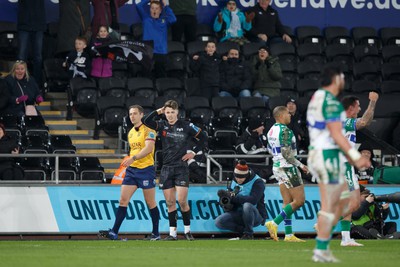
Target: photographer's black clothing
248,207
175,138
371,216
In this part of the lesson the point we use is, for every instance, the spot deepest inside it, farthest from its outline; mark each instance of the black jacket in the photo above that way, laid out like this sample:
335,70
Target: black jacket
252,144
4,96
207,69
235,75
266,22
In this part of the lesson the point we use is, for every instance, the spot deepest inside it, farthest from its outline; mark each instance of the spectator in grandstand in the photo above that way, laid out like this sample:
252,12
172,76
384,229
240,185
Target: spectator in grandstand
8,169
206,66
245,208
297,125
155,28
31,25
4,97
366,176
231,23
74,21
101,65
266,25
23,89
174,177
235,76
325,119
351,106
186,20
368,221
282,146
267,73
140,173
78,62
253,141
105,12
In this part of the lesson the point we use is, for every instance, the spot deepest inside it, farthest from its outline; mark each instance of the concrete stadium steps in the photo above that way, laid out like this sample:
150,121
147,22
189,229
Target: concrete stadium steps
61,124
74,134
88,144
95,151
44,106
53,114
110,172
110,163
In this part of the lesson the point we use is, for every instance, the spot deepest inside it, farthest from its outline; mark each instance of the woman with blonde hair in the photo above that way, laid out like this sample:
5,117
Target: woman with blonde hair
23,89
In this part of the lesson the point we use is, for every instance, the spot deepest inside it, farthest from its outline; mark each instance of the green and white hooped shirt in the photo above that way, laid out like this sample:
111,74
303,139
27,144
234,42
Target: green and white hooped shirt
323,108
280,136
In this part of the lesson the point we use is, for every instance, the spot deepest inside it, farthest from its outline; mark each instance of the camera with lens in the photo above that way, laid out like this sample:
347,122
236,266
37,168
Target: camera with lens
225,198
389,198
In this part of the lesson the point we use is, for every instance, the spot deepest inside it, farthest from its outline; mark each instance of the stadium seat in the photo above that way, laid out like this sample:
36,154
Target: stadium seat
61,143
8,40
35,168
286,52
364,86
390,35
309,70
224,47
146,103
253,107
109,114
195,47
251,49
338,35
367,71
198,111
391,71
307,87
391,53
390,87
192,86
113,86
177,60
228,115
141,86
33,144
171,88
340,53
366,36
12,124
204,32
367,53
311,52
83,95
89,168
34,125
120,70
56,77
310,34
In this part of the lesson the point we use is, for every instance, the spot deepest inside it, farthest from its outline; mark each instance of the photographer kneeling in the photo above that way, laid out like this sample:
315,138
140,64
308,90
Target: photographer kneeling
244,204
368,221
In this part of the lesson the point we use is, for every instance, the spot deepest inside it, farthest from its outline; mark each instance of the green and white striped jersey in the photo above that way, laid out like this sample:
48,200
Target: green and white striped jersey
323,108
280,136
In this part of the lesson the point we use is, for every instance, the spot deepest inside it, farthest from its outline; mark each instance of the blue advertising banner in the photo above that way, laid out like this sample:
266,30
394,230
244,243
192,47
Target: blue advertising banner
321,13
88,209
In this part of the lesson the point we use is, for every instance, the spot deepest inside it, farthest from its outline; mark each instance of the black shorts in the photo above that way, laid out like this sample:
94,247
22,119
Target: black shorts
172,176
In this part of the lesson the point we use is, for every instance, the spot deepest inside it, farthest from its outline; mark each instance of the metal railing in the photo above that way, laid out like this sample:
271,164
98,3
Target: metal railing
56,157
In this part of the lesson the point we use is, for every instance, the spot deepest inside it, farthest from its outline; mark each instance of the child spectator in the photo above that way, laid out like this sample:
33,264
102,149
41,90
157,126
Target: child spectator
78,61
206,66
101,65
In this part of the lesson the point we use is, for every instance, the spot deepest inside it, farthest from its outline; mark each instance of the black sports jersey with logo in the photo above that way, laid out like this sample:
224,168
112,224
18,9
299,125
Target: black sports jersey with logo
175,138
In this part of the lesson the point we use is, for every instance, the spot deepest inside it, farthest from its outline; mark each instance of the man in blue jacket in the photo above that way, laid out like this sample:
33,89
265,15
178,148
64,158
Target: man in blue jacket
246,203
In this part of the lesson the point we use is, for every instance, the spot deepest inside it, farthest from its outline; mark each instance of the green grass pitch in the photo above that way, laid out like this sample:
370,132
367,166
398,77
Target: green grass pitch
201,252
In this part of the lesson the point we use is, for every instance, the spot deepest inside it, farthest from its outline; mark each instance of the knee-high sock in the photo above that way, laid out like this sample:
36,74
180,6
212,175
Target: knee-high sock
119,218
288,225
155,218
285,213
